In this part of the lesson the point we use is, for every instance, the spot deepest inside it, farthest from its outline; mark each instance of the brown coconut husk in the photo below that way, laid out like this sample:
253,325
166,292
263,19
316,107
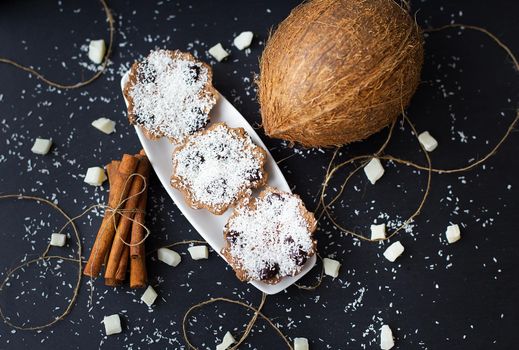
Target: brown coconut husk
337,71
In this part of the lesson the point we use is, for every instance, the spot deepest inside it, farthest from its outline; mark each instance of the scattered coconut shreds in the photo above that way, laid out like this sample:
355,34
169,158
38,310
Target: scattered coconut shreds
386,338
218,52
378,231
149,296
227,341
112,324
96,51
41,146
453,233
95,176
58,239
331,267
104,125
243,40
198,252
374,170
394,251
428,142
168,256
301,344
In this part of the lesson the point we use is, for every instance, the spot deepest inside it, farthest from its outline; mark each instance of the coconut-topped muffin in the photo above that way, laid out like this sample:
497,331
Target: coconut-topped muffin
170,94
216,167
269,237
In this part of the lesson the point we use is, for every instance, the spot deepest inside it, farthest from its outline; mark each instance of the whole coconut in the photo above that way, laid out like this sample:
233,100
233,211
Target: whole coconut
337,71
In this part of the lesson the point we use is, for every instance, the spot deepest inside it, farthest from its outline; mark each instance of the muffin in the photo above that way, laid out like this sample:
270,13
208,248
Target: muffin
269,237
170,94
216,167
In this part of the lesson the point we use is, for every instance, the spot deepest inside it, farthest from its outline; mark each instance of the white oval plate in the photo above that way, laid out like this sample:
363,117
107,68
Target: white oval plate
210,226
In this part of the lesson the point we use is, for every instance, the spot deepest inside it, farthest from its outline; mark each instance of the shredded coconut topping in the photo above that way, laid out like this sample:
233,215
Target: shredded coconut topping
272,238
216,166
169,98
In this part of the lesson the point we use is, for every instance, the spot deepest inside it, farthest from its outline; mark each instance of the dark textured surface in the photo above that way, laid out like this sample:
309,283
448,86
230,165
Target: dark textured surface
436,296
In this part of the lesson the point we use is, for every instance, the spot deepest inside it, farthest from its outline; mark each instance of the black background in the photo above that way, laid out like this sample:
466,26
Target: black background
436,296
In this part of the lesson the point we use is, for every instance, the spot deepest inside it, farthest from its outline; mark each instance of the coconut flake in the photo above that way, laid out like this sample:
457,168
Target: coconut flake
218,52
453,233
378,232
198,252
227,341
104,125
168,256
112,324
394,251
96,50
428,142
243,40
301,344
58,239
41,146
95,176
331,267
374,170
149,296
386,338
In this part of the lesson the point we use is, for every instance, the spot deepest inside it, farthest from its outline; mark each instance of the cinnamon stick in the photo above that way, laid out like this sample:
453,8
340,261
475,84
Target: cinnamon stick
125,223
120,275
138,274
138,232
123,266
119,189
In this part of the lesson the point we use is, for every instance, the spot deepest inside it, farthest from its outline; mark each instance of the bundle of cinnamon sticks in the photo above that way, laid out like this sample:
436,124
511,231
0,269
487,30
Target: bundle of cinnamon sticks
123,221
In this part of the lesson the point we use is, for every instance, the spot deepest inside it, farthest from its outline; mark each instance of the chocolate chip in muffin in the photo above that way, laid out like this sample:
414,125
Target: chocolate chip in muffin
269,271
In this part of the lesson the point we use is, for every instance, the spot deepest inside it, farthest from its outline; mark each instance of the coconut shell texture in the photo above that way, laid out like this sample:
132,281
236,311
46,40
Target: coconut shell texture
337,71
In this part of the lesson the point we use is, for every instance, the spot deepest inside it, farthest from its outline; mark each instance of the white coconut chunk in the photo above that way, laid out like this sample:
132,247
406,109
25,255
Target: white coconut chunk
301,344
96,50
428,142
394,251
227,341
331,267
453,233
41,146
168,256
112,324
104,124
149,296
243,40
218,52
198,252
374,170
386,338
58,239
95,176
378,231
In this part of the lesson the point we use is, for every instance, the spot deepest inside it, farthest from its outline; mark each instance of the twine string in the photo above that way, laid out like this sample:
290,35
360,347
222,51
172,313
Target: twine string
119,209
